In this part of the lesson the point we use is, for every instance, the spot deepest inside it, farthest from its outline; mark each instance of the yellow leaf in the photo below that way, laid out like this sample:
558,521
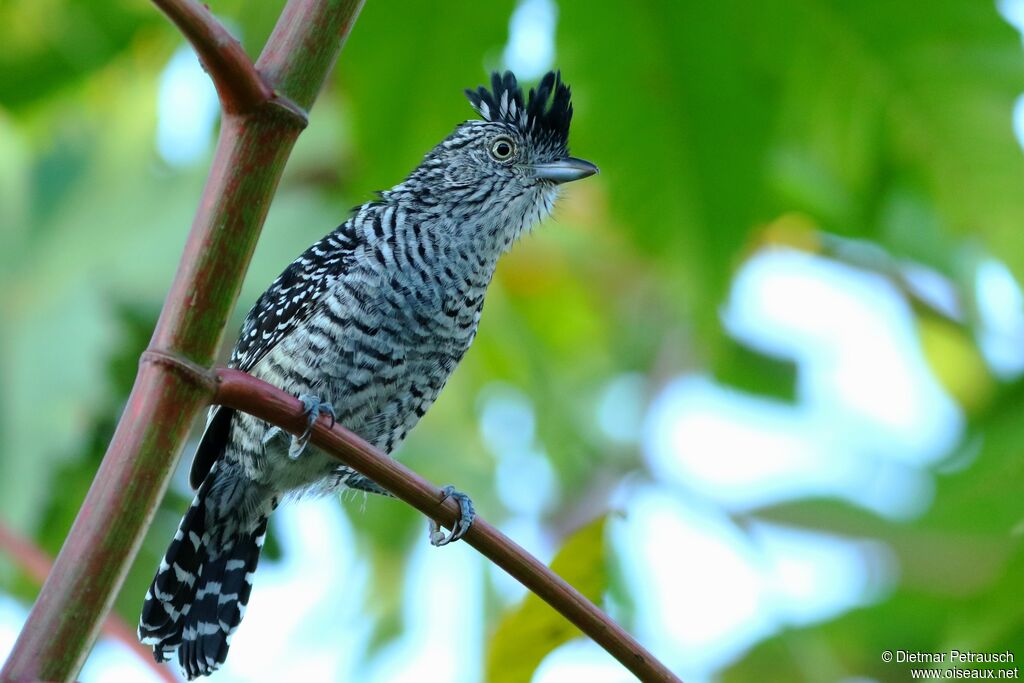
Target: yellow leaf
527,634
956,362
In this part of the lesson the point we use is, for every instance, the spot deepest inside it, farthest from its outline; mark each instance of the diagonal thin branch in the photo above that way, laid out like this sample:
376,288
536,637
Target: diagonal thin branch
244,392
33,560
239,84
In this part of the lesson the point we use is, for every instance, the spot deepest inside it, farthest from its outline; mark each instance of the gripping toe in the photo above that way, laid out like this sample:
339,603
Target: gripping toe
313,408
466,516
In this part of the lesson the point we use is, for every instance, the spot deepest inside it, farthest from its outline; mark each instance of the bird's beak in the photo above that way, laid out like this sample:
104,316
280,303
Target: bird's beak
565,170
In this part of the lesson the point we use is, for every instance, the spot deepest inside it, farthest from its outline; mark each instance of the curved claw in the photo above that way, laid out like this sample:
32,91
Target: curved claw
466,516
313,408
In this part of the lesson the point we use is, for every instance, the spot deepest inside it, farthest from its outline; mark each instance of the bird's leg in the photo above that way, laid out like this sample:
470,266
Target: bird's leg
466,516
313,408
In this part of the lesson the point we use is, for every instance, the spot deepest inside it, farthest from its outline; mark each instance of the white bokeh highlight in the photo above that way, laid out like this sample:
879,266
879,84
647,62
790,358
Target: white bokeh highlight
1000,308
443,633
530,51
187,110
620,408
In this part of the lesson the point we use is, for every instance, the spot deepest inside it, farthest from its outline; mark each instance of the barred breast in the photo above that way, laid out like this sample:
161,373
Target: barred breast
380,346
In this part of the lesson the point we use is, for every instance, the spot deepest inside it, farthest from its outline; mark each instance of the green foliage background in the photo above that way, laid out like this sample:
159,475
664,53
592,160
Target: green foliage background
722,128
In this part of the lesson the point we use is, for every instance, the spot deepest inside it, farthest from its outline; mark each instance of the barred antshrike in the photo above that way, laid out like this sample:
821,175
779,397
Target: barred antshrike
365,326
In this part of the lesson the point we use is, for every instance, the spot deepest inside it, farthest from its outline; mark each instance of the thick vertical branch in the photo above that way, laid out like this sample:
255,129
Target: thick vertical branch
264,111
256,138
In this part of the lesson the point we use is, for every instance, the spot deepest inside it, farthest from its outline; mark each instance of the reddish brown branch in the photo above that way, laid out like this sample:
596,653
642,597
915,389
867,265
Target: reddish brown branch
32,560
172,384
255,142
246,393
240,86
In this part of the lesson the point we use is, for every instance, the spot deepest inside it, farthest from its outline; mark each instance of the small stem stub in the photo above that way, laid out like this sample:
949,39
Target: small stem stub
204,378
297,113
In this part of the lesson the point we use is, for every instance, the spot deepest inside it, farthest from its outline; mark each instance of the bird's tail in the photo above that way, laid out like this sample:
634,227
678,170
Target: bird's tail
199,593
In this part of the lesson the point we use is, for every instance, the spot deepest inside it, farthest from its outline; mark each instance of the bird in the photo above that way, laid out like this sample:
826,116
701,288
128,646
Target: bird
365,326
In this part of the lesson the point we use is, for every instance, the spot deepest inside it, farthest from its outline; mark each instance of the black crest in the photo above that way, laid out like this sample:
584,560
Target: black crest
545,115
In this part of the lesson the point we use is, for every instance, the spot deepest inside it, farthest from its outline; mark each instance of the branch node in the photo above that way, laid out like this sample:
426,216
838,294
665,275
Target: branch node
296,113
240,86
194,373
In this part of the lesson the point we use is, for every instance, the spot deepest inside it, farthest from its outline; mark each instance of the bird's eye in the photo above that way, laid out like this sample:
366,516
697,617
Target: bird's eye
502,149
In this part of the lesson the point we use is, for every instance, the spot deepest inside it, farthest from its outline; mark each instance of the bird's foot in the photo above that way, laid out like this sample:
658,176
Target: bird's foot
466,516
313,408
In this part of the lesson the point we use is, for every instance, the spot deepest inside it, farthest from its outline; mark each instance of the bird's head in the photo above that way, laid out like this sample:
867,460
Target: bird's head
502,173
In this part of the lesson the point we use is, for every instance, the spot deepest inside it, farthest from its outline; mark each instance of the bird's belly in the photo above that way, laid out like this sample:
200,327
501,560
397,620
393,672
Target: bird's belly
380,373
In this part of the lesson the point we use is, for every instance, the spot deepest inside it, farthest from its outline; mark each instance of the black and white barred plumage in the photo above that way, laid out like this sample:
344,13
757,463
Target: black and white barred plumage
373,318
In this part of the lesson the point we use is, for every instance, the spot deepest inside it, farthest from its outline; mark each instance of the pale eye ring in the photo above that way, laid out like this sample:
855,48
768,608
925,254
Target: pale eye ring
502,148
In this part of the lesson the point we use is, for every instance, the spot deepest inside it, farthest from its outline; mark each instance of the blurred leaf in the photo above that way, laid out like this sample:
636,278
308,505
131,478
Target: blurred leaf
403,73
526,635
250,22
850,647
49,44
791,230
746,368
956,362
679,128
960,566
732,112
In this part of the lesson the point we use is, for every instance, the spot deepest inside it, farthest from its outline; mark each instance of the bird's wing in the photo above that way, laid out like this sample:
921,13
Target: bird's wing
211,444
289,301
